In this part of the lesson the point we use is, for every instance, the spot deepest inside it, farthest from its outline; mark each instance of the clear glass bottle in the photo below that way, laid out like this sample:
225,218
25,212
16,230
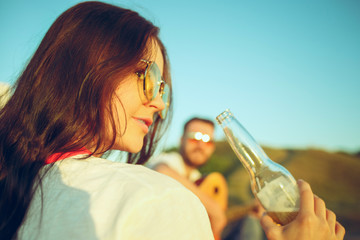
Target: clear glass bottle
271,183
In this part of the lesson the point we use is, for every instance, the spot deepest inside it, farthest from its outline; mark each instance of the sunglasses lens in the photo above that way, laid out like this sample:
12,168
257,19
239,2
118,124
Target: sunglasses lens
153,85
196,137
155,77
166,99
195,141
149,85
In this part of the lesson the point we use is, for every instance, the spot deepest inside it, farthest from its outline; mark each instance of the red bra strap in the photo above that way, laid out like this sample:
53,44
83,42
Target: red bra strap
60,156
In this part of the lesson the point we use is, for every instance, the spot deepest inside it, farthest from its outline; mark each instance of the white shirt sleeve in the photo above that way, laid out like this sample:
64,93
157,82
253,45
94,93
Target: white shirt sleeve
175,215
98,199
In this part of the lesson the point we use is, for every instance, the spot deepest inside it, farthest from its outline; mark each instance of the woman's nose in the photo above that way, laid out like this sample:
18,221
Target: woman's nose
157,103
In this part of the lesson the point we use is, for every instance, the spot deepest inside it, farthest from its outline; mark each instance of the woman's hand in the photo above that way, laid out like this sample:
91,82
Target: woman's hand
256,210
313,221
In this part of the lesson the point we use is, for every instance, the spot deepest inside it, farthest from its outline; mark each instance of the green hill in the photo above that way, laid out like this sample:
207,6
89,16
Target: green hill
335,177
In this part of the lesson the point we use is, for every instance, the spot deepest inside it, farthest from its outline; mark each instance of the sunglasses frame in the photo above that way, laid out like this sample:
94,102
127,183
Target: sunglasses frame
161,87
199,136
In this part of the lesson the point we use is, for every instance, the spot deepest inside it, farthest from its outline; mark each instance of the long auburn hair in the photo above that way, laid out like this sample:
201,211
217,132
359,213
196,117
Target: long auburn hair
60,100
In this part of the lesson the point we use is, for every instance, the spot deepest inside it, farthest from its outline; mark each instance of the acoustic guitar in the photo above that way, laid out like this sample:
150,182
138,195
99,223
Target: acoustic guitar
215,186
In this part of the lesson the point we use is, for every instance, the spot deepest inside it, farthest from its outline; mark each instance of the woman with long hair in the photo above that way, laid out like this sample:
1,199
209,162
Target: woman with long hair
99,80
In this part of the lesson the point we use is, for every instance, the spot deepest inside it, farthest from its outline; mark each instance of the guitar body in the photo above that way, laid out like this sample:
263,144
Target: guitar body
215,186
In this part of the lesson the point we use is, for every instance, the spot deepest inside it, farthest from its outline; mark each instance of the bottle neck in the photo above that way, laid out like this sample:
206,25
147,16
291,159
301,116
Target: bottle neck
244,145
252,159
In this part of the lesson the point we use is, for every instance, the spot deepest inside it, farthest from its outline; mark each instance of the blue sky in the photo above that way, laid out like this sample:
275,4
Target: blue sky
289,70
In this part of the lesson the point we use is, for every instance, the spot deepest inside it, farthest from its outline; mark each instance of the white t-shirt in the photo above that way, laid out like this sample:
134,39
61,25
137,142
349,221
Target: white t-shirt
99,199
174,161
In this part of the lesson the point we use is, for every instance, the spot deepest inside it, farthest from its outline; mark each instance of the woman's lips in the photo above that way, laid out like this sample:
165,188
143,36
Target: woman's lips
144,123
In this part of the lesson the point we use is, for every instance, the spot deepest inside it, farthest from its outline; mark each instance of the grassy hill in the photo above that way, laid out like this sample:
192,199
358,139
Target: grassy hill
335,177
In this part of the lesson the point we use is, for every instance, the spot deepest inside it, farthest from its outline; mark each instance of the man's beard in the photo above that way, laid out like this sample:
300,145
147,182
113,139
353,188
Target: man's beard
188,161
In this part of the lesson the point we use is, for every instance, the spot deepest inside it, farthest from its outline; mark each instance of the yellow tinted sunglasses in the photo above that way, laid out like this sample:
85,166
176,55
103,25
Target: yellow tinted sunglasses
153,83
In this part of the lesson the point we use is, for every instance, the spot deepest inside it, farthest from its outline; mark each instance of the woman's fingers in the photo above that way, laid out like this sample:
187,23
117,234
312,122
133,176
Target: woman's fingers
267,222
310,204
306,197
339,231
320,208
331,218
271,229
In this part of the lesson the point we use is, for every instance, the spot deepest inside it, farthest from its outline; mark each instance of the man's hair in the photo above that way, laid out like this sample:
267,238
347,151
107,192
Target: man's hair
204,120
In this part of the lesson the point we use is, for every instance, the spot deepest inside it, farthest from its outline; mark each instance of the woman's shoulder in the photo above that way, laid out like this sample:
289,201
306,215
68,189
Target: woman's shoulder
124,200
96,198
104,175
